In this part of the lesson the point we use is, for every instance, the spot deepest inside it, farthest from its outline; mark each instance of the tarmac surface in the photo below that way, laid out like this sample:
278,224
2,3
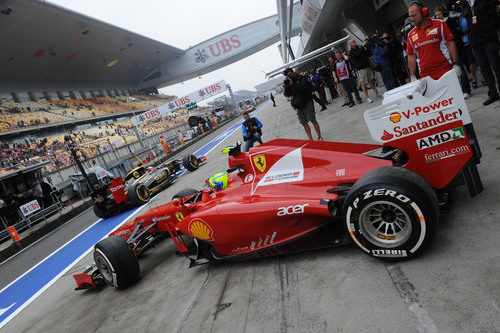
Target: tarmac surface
453,287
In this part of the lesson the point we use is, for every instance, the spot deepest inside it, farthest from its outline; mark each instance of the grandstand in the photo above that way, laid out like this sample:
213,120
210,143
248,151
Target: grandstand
63,74
35,113
17,155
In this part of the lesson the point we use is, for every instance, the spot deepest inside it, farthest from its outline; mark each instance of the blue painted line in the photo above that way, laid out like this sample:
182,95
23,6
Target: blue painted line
37,278
18,294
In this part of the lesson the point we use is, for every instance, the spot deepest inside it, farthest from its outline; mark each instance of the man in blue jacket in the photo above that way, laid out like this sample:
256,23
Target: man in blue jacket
251,129
381,57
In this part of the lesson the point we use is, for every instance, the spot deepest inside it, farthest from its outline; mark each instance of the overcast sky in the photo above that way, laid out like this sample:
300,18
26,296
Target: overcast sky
185,23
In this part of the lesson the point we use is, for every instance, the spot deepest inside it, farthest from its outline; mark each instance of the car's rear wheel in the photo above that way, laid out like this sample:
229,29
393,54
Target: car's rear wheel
191,162
391,213
138,194
116,262
101,213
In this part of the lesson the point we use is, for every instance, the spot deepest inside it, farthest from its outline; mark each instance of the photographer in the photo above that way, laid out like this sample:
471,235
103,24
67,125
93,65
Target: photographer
300,90
252,132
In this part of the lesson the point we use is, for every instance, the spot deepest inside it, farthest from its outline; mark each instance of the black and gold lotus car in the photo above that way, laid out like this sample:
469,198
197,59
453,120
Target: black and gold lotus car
139,186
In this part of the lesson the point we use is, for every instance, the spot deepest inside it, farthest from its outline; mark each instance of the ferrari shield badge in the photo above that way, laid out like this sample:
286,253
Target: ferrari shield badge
260,162
179,216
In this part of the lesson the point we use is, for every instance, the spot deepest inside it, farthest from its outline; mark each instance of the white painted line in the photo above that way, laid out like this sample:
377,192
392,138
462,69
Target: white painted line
424,322
62,225
2,311
32,298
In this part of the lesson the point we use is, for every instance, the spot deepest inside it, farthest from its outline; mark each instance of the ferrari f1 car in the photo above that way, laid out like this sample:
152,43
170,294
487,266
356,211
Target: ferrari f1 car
139,185
292,195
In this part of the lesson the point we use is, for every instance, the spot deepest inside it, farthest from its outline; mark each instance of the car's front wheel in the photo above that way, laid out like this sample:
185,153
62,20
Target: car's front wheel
191,162
116,262
138,194
391,213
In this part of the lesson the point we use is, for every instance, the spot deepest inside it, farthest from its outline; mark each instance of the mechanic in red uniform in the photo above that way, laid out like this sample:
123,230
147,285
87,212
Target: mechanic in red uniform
431,44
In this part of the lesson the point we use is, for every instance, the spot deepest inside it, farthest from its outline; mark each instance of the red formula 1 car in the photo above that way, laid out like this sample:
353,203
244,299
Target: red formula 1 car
292,195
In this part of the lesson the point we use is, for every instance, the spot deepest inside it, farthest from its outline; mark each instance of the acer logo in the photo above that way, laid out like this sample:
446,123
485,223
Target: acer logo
224,45
116,188
298,209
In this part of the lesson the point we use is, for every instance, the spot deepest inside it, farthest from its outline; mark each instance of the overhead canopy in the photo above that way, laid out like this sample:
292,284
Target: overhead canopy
46,47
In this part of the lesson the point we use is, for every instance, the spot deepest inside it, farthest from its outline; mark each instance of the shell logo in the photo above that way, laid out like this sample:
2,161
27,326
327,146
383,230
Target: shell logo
395,117
199,229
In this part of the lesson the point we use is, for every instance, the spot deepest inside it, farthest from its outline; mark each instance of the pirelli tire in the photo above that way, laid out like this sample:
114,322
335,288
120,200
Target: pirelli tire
391,213
102,213
138,194
191,162
116,262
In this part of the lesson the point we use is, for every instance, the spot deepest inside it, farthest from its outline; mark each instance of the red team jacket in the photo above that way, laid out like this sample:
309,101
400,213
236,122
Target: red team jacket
429,45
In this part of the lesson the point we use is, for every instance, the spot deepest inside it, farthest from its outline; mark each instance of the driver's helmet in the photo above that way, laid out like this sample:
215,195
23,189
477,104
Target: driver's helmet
219,181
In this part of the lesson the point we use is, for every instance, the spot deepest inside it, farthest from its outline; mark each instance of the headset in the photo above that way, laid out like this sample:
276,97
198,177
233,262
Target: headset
423,9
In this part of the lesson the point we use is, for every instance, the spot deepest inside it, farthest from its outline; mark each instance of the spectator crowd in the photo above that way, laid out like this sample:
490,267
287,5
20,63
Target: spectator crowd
467,29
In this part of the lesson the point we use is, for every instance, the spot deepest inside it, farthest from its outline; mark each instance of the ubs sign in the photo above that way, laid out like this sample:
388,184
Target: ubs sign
216,49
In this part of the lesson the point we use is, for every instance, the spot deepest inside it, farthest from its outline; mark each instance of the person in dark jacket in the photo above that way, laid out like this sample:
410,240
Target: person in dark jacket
300,90
319,88
271,96
453,23
252,132
360,59
483,22
381,57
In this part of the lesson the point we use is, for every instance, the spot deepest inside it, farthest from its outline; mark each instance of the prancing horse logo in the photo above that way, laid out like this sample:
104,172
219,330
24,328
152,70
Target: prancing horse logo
260,162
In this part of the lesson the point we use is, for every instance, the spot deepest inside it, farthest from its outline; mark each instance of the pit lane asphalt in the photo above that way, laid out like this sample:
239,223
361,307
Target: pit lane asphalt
453,287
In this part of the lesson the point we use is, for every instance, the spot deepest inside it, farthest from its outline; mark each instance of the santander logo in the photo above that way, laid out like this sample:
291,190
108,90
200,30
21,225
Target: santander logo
387,136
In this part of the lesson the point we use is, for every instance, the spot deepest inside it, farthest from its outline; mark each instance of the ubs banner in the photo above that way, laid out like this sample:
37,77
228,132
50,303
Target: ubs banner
181,102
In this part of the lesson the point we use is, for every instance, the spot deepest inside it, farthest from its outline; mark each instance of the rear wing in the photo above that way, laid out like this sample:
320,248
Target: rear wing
429,120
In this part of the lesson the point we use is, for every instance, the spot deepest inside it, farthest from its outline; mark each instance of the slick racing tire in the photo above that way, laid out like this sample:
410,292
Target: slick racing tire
138,194
101,213
116,262
190,162
391,213
184,193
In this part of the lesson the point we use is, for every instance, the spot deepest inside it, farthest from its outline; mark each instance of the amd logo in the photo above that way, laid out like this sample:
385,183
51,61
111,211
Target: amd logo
298,209
440,138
